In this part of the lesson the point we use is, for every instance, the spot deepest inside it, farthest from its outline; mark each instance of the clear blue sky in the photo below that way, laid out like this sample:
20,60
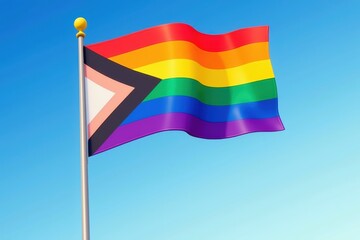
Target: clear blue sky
299,184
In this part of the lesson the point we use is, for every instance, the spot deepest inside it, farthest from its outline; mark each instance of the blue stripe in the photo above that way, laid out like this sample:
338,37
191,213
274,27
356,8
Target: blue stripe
209,113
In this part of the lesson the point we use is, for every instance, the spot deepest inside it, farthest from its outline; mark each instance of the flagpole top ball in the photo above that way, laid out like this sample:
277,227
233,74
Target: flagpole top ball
80,24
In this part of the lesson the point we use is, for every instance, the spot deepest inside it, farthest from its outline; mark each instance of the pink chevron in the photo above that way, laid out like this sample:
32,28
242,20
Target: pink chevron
120,90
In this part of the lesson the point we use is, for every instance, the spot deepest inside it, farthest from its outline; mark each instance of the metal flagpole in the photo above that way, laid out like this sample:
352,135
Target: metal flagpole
80,24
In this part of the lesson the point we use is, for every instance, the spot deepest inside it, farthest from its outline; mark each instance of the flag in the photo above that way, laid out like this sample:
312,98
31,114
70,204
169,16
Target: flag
172,77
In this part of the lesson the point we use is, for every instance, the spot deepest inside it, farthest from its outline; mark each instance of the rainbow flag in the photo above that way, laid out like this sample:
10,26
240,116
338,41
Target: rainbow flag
172,77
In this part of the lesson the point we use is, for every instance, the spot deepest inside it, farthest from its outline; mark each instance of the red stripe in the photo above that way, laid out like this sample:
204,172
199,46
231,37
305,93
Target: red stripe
184,32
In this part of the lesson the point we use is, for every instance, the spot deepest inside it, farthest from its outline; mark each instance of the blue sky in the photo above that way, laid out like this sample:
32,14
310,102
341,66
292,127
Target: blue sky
302,183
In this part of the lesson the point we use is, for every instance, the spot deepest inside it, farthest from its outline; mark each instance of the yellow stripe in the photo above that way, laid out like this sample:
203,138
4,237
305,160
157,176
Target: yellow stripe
183,68
187,50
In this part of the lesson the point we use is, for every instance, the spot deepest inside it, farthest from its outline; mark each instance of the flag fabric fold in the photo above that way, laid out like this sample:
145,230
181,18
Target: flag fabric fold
172,77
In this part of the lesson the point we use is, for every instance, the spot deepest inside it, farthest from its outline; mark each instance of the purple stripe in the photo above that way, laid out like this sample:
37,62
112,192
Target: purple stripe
191,125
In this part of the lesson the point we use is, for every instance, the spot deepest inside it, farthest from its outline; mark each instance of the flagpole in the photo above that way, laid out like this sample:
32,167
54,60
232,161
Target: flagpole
80,24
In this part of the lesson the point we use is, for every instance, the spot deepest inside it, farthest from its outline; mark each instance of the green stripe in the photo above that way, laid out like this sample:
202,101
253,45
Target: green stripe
250,92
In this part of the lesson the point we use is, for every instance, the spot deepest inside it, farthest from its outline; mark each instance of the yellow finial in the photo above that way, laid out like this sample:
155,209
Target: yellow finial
80,24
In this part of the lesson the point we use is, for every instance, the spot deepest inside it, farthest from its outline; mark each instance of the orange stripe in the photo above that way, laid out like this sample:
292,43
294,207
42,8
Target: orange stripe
186,50
121,92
